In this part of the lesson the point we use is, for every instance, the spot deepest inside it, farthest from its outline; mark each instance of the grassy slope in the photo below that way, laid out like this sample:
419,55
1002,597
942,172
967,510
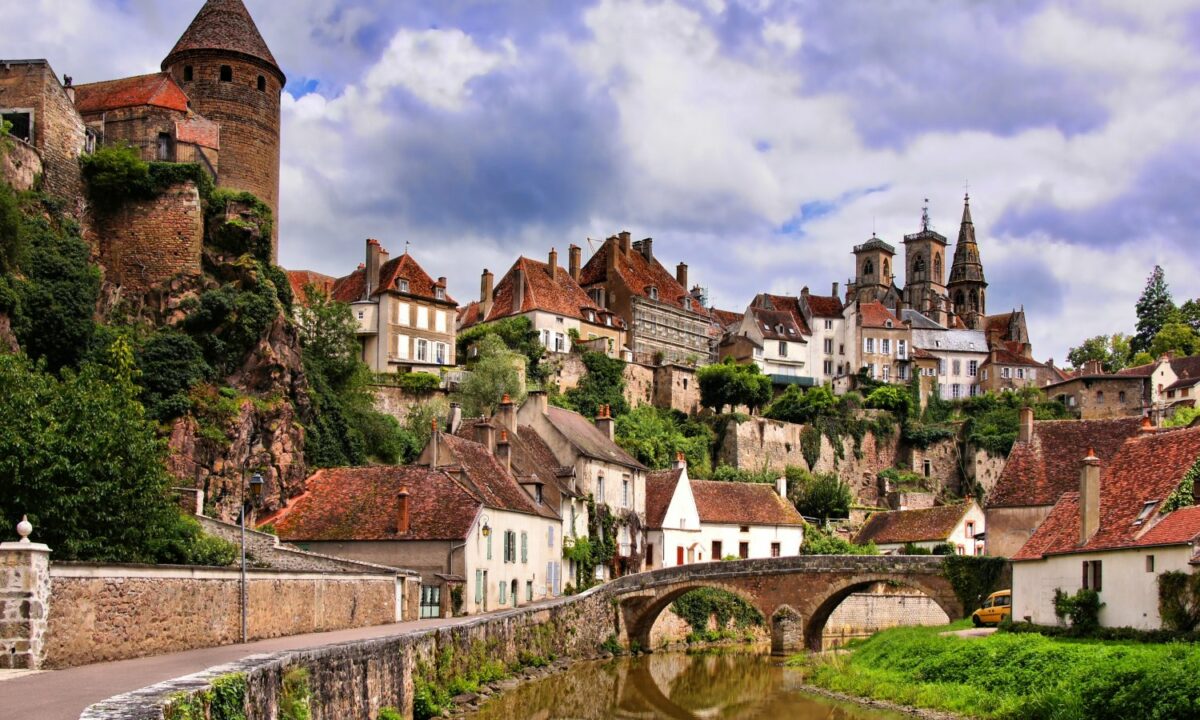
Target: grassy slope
1017,676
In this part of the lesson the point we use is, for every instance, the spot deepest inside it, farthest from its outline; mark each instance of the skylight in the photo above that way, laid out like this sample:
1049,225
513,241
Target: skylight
1147,508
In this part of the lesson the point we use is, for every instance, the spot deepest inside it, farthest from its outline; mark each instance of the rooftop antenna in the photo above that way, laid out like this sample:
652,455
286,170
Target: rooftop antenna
967,189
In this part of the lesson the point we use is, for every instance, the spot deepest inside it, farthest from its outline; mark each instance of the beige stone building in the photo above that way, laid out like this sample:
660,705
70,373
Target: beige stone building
1095,395
406,320
883,344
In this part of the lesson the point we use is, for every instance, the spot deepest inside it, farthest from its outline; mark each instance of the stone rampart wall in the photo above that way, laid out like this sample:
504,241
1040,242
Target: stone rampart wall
20,164
101,613
397,402
146,242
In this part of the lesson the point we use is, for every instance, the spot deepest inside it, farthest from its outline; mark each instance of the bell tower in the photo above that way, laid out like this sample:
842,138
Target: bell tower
925,273
873,272
967,286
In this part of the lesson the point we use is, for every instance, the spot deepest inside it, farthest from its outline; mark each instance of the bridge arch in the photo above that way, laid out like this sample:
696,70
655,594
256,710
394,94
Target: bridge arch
821,607
641,610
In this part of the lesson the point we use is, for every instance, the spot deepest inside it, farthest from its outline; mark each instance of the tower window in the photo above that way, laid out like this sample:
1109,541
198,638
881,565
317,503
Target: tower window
226,73
187,73
262,84
163,152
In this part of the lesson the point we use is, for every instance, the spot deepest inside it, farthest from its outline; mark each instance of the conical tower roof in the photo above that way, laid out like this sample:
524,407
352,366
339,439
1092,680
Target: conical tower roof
967,267
224,25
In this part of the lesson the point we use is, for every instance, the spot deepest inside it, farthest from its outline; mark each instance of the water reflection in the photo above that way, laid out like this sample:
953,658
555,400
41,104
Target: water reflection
672,685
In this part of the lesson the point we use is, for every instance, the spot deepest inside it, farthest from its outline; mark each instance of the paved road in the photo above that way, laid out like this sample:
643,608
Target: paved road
64,694
972,632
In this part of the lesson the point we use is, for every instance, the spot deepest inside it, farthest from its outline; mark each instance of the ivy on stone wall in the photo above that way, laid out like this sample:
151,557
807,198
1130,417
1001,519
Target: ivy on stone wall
1179,600
973,577
246,232
117,174
698,607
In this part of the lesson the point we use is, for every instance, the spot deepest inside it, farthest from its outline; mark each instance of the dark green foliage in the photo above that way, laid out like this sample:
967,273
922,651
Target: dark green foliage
228,698
698,607
992,421
494,374
893,398
389,713
283,288
901,479
1154,310
13,245
654,436
728,384
418,383
973,577
295,695
1179,600
169,363
1177,338
801,406
922,435
810,445
79,457
247,233
1083,608
1111,351
604,384
728,473
823,495
819,542
116,174
518,335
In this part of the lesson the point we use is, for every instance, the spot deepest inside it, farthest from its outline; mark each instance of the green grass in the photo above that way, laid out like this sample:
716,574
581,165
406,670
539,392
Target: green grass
1008,676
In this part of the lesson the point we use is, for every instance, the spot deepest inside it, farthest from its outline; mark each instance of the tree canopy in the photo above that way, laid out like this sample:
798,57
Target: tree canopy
494,375
654,436
1154,310
604,384
823,495
1113,352
727,384
802,406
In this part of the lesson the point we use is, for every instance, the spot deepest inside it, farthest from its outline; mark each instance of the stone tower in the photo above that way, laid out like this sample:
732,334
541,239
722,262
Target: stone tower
925,273
967,287
873,271
231,77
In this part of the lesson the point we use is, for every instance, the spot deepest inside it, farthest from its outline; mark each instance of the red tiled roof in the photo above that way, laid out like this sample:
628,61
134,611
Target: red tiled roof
362,503
198,131
638,275
1186,367
1180,526
904,526
1139,370
825,306
1039,472
587,438
726,318
560,295
224,25
660,488
156,89
1183,383
777,325
494,485
535,456
1010,353
876,315
301,279
1147,468
352,287
787,304
742,503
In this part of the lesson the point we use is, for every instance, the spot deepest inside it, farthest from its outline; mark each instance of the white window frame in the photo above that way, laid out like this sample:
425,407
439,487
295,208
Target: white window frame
422,350
439,321
973,368
403,316
885,346
869,345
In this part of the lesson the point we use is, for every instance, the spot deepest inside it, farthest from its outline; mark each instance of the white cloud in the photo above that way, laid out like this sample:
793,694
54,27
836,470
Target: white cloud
435,65
788,35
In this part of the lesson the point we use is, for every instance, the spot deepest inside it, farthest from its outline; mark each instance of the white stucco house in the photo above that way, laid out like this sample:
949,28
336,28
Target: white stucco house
959,354
959,526
1116,534
691,521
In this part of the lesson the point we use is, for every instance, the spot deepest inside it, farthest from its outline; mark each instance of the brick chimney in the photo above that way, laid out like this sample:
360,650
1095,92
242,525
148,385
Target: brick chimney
1148,424
804,292
835,289
518,289
681,274
539,400
1026,425
574,260
504,451
605,423
402,513
506,413
486,284
1089,496
626,242
646,248
435,442
553,263
485,435
1093,367
781,486
374,262
454,421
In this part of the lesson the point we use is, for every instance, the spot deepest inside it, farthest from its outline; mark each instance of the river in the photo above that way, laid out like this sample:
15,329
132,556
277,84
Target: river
673,685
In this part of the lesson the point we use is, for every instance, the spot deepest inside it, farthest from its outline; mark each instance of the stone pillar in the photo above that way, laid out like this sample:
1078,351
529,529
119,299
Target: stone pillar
24,601
787,631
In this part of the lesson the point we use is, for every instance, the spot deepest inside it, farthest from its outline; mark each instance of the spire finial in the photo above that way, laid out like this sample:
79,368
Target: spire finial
925,215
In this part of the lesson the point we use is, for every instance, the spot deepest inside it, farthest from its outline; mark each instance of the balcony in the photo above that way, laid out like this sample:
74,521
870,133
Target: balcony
801,380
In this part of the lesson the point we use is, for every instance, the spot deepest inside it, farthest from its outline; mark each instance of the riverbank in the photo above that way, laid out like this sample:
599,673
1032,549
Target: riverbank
1009,676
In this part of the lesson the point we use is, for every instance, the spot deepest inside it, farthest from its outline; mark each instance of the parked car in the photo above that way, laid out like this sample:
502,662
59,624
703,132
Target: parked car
996,608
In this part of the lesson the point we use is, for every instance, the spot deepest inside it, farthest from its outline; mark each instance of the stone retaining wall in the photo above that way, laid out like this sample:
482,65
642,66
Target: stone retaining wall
20,164
864,614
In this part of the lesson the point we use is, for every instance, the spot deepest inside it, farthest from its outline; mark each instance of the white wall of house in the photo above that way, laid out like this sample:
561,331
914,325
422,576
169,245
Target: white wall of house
962,538
783,357
536,565
1128,587
958,373
826,349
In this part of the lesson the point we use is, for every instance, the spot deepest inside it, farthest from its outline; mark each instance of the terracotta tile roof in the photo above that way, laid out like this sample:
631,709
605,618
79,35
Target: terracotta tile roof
587,438
301,279
1139,370
660,488
488,478
876,315
1039,472
741,503
1147,468
224,25
777,325
726,318
362,503
638,275
787,304
468,315
904,526
1010,353
825,306
198,131
560,295
1183,383
536,457
1186,367
352,287
156,89
997,323
1180,526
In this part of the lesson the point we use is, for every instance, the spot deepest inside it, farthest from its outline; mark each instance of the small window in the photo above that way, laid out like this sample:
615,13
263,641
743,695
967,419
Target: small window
653,293
1147,508
1149,563
262,84
744,550
402,285
776,549
927,467
439,293
1092,575
745,528
828,324
226,73
187,73
22,124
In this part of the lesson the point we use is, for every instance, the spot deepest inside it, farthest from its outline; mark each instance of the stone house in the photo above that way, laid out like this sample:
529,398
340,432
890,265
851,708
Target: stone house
1092,394
772,340
1041,466
883,343
823,315
1115,534
555,304
44,121
405,318
665,321
960,526
1010,366
603,472
958,355
690,521
1168,383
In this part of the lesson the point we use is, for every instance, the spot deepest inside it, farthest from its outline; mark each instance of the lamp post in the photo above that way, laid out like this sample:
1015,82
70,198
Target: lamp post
256,488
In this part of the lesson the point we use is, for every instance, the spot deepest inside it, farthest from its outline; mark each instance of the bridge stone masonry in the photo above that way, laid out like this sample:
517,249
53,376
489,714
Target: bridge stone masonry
796,594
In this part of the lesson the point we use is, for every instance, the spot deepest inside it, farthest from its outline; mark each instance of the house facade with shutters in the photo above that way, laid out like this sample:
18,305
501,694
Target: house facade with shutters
406,319
773,341
882,343
958,355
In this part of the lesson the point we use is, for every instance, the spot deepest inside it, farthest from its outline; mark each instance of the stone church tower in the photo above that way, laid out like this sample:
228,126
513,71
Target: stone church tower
967,286
231,77
925,275
873,276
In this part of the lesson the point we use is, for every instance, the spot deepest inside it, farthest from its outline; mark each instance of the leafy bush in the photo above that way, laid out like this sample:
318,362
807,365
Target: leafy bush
604,384
116,174
517,334
655,435
973,577
389,713
230,320
1179,600
729,384
418,383
1083,608
237,235
295,695
169,364
13,245
893,398
823,495
802,406
819,542
494,375
699,606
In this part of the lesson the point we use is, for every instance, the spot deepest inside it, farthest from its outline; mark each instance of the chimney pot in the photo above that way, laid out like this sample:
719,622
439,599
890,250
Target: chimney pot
804,291
604,422
553,264
626,241
485,293
835,289
1026,425
403,519
681,274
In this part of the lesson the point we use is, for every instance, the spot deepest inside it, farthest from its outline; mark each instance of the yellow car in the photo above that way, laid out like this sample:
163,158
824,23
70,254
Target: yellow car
996,608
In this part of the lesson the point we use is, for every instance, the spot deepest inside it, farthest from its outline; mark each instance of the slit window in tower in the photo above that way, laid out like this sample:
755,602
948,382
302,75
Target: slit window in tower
226,73
262,84
187,73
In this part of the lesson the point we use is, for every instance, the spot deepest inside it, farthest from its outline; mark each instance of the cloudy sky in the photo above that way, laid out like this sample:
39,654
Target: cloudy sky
757,140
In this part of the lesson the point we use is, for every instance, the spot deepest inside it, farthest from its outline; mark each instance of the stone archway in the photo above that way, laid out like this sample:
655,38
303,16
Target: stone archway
639,611
935,588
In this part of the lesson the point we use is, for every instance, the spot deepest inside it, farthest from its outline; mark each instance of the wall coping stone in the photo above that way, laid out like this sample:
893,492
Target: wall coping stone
185,572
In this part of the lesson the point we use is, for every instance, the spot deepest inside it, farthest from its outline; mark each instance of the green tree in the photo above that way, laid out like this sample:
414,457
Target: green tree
493,375
1154,310
12,241
893,398
727,384
802,406
819,542
1189,313
823,495
1182,417
1177,338
1111,351
654,436
604,384
170,363
518,335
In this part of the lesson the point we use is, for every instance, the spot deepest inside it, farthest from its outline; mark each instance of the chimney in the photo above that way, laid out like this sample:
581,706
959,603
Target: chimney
553,264
68,85
681,274
680,461
835,289
647,248
506,414
454,421
1147,424
604,422
1026,425
804,291
485,293
402,515
518,289
434,442
1089,497
442,282
574,258
539,400
1092,367
781,486
372,265
626,242
485,435
504,451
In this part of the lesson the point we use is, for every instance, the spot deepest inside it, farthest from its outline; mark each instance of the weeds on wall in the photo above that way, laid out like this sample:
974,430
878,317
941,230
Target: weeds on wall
295,695
224,700
973,577
116,174
1179,600
1083,609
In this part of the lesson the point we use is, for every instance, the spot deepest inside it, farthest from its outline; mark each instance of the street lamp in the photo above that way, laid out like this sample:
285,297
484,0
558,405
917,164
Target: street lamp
256,489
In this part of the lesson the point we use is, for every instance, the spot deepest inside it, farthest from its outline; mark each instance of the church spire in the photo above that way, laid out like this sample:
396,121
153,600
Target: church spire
967,285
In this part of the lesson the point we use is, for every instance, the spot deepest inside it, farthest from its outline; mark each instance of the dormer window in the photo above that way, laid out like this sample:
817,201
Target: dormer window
439,293
652,292
687,303
1147,508
887,323
402,285
537,491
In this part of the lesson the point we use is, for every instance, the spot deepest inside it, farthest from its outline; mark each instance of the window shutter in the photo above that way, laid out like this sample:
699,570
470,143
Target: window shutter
524,547
1085,574
1099,566
478,586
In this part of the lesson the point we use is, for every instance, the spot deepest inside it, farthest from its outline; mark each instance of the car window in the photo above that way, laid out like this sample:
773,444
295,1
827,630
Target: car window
987,603
1004,601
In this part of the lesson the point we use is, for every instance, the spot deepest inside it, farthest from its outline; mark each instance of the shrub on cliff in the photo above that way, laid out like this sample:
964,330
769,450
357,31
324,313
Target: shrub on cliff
604,384
12,242
518,335
493,376
170,363
655,436
802,406
727,384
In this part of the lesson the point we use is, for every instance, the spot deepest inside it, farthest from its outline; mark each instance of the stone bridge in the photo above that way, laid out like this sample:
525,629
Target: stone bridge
796,594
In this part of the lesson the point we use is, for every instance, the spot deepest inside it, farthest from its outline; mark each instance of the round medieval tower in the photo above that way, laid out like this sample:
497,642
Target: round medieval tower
231,77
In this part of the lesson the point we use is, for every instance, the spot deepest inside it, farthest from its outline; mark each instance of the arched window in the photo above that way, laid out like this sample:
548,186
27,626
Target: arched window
959,301
868,268
918,268
652,292
974,300
887,271
226,73
937,266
